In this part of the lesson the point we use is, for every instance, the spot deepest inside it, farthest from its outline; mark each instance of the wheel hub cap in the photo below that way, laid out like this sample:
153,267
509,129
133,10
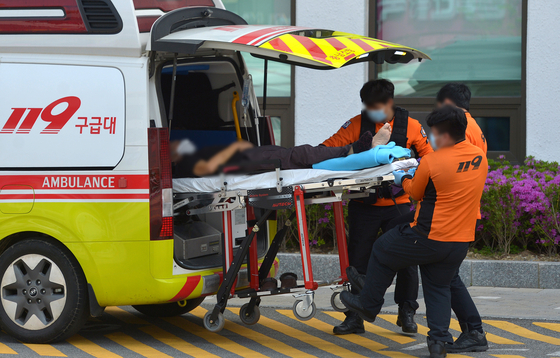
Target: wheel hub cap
33,291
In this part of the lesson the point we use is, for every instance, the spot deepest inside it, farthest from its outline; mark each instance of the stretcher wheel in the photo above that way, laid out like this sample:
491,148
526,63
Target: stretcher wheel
303,314
249,319
215,326
336,303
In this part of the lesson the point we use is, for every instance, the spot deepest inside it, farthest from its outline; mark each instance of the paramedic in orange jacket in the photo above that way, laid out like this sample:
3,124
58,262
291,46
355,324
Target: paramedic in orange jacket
367,217
472,338
448,185
459,95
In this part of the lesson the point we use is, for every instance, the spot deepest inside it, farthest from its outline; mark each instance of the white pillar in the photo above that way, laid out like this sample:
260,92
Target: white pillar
325,99
543,79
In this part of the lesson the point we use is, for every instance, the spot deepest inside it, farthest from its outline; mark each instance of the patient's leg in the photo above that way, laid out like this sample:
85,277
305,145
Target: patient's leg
304,156
299,157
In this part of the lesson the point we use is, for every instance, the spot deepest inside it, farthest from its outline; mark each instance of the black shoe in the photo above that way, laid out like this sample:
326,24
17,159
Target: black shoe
405,319
436,348
353,323
472,341
353,303
357,280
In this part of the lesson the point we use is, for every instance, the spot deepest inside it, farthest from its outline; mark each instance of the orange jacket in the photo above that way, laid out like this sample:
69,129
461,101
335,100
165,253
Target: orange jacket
350,132
448,185
474,134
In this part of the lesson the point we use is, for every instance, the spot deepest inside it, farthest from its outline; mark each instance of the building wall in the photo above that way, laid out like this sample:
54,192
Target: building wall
543,79
324,100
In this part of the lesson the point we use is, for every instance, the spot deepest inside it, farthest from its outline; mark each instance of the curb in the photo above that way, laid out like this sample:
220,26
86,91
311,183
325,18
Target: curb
490,273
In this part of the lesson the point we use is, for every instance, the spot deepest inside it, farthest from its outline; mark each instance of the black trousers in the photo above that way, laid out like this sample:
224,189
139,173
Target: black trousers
439,263
298,157
365,221
461,300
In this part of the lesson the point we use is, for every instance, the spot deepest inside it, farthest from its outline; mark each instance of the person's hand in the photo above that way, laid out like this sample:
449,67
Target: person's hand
243,145
401,174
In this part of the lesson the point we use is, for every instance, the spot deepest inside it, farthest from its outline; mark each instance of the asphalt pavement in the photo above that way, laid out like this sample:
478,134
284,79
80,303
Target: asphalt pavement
519,322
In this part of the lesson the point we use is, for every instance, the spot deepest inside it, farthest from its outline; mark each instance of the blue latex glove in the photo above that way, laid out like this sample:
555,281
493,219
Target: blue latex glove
382,154
401,174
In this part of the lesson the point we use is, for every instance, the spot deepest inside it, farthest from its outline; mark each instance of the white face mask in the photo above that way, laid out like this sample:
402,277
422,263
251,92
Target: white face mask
376,115
432,140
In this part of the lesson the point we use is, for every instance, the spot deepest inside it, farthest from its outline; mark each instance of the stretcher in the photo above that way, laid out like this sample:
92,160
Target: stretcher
268,192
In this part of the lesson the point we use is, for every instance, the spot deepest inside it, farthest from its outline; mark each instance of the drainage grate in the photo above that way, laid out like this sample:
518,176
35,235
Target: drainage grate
100,16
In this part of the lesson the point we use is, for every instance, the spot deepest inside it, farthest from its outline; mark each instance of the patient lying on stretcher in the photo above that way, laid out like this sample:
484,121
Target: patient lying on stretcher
191,163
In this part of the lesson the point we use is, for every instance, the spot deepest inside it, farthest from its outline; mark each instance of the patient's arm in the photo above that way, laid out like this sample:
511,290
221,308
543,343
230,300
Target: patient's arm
210,166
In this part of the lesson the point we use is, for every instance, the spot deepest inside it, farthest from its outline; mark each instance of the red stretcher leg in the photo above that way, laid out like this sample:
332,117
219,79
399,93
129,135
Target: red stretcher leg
304,240
341,239
253,254
228,243
254,258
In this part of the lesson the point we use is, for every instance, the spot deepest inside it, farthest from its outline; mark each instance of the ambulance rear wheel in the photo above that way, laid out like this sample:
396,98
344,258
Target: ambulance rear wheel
304,314
336,303
169,309
43,292
214,326
249,319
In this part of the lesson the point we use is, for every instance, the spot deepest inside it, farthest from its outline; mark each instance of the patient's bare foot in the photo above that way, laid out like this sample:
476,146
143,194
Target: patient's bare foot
382,136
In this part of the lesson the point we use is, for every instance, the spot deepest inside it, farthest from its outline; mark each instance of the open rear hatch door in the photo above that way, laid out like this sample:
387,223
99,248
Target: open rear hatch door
203,31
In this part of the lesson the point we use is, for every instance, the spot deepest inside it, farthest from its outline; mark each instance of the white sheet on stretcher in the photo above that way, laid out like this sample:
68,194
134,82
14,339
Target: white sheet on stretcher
290,177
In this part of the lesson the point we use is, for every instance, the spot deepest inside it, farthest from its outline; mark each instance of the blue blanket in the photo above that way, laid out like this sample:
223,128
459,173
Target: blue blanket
382,154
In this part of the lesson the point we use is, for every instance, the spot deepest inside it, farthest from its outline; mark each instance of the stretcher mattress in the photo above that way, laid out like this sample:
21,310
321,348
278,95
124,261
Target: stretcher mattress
290,177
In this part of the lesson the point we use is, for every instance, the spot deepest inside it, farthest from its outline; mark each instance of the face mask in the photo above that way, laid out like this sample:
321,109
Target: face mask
433,141
377,115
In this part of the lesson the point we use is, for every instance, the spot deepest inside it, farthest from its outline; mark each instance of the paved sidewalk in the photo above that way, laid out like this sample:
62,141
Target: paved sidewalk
496,302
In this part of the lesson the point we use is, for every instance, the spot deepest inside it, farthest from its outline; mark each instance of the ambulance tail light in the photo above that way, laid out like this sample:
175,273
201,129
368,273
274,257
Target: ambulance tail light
161,185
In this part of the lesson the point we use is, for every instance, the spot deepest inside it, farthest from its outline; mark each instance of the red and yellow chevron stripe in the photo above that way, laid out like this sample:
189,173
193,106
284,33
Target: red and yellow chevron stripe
334,51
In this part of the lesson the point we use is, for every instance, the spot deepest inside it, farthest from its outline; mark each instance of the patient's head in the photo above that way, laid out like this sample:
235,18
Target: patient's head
448,125
179,148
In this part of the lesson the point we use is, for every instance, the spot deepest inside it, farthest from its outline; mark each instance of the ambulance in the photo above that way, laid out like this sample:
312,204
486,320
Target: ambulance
88,89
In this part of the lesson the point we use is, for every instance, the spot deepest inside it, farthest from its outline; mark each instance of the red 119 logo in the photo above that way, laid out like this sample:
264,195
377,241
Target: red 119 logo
56,122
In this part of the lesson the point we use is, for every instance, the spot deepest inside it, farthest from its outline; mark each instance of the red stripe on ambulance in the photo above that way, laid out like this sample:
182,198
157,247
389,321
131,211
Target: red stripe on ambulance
78,181
314,50
336,43
251,36
279,45
365,46
70,23
187,289
258,37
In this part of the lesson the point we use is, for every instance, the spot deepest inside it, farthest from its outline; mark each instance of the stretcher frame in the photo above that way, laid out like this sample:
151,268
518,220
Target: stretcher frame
280,197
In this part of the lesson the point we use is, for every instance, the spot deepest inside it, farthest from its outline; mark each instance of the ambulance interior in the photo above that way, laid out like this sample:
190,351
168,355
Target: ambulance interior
206,93
204,90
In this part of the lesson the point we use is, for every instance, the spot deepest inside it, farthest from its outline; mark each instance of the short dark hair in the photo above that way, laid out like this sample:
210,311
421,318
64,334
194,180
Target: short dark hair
449,119
377,91
458,93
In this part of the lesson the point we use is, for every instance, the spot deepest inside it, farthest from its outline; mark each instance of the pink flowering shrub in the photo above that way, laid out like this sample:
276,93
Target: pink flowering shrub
520,206
320,226
520,209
